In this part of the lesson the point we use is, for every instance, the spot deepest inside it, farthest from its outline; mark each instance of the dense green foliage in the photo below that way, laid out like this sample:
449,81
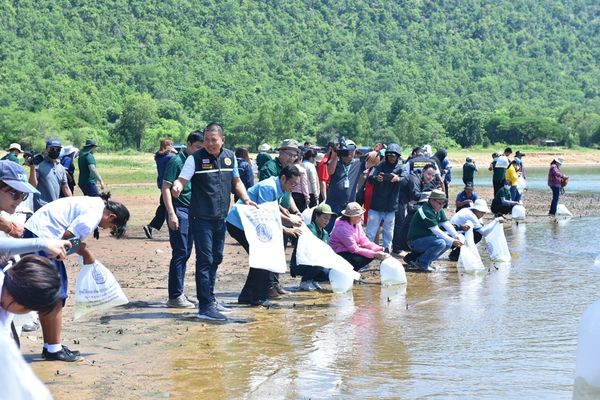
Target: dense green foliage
411,71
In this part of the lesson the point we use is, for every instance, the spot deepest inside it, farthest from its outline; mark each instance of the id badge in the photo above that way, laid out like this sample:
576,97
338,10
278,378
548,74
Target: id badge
346,183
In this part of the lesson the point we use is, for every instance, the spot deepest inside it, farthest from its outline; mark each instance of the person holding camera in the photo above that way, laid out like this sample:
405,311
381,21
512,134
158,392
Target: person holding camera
48,176
344,171
385,178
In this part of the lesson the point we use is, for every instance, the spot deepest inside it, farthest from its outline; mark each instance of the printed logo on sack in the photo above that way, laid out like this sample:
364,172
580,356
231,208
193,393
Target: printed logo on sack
99,276
263,233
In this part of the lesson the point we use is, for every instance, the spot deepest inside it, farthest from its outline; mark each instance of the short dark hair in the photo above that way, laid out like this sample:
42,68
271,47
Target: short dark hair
309,153
289,171
33,282
195,136
214,127
428,166
120,211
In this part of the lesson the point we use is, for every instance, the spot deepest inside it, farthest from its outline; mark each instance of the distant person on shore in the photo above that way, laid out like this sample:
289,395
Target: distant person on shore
161,158
13,153
556,181
500,164
503,203
466,197
512,175
469,169
519,159
88,173
68,161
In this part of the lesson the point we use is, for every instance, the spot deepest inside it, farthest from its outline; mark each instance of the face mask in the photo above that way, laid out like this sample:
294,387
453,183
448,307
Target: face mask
54,153
507,187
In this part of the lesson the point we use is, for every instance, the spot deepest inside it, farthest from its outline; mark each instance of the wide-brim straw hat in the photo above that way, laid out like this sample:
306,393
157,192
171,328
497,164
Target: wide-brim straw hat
560,160
353,210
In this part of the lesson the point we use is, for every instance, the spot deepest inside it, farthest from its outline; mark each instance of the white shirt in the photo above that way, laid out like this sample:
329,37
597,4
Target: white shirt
6,317
465,216
79,215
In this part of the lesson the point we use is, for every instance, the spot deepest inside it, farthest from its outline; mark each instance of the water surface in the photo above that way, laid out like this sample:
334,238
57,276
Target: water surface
509,333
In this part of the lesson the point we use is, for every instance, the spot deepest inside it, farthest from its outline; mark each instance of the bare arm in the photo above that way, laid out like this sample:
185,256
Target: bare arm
33,179
177,187
67,191
95,172
332,163
240,190
172,219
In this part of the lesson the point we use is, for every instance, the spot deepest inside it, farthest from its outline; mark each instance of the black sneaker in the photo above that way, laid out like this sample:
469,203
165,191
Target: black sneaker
148,231
63,355
211,314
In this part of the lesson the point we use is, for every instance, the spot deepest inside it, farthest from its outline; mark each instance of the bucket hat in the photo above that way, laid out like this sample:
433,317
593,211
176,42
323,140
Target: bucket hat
353,210
290,144
89,143
480,205
437,194
15,146
560,160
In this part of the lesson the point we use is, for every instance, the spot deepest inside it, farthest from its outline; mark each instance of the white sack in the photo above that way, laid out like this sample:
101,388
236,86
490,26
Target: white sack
392,272
518,213
521,184
563,211
97,290
469,258
497,246
17,380
313,251
307,215
264,233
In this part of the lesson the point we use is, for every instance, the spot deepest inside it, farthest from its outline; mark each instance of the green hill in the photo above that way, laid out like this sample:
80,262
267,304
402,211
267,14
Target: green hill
414,71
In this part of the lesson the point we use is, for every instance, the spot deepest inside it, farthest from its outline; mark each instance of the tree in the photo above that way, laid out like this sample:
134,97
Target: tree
138,113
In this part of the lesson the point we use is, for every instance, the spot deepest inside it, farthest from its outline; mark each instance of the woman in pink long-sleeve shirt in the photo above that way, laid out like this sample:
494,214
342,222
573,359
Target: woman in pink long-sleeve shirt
348,239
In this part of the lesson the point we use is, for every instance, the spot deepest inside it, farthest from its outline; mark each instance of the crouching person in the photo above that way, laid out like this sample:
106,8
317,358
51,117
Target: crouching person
470,217
425,235
312,275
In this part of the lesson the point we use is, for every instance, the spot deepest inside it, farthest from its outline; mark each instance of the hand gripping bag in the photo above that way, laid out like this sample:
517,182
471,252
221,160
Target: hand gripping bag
392,272
497,246
469,258
96,290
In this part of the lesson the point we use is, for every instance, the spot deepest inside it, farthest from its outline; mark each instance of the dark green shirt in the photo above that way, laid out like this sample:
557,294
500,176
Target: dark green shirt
503,193
85,176
469,171
172,171
320,233
423,219
11,157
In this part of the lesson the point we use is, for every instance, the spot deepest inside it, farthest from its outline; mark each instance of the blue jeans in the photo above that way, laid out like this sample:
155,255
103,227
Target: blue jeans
90,189
555,196
209,239
432,248
182,242
514,194
375,219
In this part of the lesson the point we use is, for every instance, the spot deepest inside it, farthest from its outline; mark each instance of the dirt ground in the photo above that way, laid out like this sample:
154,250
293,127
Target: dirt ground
128,350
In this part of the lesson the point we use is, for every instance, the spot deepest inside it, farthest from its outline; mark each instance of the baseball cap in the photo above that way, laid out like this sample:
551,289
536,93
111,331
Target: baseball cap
53,143
14,176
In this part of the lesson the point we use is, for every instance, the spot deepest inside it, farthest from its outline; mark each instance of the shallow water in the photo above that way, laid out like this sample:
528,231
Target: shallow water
581,179
509,333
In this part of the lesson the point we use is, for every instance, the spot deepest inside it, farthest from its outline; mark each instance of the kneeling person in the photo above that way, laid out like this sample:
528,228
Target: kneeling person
425,235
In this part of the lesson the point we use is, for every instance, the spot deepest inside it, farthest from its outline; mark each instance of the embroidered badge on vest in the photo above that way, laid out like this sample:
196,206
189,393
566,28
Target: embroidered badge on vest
227,161
206,164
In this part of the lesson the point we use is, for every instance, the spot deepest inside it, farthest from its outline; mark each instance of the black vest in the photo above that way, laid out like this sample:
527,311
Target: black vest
211,184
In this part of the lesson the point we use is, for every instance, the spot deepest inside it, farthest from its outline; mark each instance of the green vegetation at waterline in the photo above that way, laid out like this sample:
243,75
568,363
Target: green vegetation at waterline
466,72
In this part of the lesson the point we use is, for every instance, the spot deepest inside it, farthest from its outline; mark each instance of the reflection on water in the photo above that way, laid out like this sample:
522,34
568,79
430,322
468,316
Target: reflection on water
508,333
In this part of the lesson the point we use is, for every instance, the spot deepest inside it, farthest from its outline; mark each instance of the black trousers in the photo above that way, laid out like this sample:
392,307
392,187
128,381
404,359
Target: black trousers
159,215
258,281
358,261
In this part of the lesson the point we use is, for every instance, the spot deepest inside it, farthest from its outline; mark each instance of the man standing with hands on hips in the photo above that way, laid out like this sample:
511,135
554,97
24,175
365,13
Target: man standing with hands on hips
214,174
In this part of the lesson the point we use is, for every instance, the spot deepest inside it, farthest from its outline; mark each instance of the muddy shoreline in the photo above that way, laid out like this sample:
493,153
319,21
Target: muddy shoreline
133,351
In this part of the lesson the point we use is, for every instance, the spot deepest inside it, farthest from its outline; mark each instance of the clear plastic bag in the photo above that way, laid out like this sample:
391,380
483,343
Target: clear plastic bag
97,290
563,211
521,184
587,368
518,213
469,259
392,272
497,246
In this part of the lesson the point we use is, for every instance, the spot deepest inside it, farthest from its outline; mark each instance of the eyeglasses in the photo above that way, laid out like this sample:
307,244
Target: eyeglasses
16,195
290,153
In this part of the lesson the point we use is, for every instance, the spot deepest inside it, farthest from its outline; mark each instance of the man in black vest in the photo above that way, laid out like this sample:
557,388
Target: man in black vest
214,173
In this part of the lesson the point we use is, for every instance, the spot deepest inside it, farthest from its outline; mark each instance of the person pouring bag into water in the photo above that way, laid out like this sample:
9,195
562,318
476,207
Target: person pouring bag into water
66,218
312,275
503,203
213,173
470,218
256,290
425,234
349,241
88,173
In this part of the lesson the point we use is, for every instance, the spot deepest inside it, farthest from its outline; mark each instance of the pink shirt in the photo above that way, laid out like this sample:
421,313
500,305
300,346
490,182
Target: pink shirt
351,238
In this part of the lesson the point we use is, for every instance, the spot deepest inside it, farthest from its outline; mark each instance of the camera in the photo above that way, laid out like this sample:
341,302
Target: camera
32,158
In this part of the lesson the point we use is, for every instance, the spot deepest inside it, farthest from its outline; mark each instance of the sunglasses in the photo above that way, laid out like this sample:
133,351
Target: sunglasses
16,195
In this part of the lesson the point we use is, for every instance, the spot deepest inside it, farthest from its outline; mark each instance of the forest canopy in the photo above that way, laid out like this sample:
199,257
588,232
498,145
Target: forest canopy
451,73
